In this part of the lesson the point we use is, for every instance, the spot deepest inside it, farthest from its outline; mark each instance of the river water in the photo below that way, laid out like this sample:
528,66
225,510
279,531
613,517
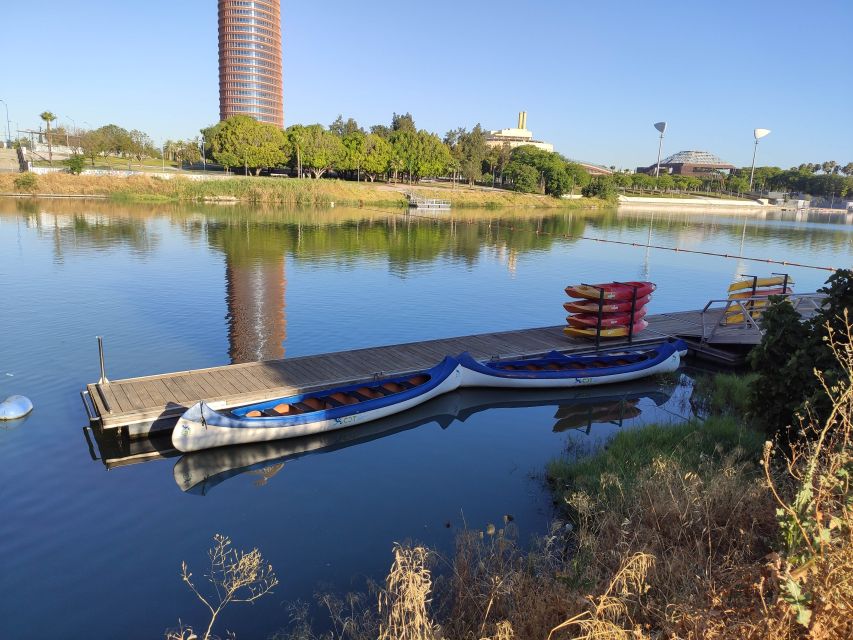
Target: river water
88,552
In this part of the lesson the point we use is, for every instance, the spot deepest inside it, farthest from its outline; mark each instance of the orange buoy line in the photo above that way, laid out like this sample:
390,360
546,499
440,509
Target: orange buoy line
733,256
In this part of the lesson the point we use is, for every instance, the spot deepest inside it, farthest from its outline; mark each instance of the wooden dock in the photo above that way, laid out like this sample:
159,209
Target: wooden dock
139,406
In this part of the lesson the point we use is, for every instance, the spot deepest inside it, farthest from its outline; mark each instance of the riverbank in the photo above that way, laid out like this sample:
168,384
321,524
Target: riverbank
280,191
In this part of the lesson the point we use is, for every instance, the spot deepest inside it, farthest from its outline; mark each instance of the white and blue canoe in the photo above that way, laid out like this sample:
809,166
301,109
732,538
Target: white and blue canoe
202,427
559,370
311,413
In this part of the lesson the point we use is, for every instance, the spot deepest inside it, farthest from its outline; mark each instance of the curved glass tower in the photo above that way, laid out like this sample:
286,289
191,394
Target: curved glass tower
250,65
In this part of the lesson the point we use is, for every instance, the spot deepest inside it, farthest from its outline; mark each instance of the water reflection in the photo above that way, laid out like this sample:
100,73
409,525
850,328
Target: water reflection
200,472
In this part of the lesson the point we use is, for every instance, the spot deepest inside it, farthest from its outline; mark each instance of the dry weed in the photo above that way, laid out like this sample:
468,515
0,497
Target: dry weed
403,603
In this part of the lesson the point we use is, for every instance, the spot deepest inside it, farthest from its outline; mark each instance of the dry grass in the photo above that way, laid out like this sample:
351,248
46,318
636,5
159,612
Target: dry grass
278,191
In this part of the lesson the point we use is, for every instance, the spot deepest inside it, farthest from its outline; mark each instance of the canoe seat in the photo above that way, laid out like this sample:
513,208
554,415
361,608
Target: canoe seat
368,393
393,387
343,398
284,409
254,414
333,402
418,380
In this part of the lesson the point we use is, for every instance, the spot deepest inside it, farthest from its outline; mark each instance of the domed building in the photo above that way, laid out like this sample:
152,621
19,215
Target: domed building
698,164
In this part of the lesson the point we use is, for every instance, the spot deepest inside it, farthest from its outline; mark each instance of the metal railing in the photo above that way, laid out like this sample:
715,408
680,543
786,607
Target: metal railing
804,303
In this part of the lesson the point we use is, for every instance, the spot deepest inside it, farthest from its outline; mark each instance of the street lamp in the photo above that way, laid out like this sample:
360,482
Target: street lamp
8,127
758,133
660,126
74,124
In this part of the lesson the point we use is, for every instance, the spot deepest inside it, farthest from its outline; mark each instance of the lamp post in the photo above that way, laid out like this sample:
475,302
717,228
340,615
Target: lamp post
758,133
74,124
8,127
203,157
660,126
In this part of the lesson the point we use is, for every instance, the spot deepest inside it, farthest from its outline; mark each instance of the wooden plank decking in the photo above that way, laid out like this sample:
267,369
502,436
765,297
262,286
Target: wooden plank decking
152,403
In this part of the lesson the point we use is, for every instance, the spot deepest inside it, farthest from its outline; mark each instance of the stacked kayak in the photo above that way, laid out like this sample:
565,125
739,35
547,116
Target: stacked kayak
755,293
604,310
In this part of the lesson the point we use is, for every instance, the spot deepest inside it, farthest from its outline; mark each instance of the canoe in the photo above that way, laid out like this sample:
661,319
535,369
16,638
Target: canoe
611,332
614,306
583,320
612,290
774,281
558,370
760,293
201,471
201,427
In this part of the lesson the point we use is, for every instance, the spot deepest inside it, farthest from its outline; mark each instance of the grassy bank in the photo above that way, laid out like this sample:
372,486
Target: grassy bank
279,191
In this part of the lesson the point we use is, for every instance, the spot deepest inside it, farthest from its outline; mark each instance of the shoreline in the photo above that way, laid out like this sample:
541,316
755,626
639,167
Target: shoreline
291,191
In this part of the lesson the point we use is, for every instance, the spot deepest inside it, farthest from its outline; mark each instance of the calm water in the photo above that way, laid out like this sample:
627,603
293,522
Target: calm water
92,553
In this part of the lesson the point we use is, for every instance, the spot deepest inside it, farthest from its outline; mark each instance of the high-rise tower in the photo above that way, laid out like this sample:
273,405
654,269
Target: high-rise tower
250,64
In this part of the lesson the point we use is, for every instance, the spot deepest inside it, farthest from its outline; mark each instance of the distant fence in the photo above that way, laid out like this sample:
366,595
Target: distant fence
118,173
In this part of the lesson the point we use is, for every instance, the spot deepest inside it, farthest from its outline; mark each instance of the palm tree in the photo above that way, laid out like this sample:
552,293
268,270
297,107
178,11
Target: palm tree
48,117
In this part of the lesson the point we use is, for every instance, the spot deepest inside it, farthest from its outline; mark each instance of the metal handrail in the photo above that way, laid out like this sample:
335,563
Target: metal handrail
796,300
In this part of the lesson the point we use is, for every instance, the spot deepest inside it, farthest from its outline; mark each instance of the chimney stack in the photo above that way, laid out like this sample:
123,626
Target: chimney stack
521,119
524,120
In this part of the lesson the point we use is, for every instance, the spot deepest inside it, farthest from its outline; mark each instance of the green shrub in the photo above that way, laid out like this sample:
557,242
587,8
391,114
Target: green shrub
76,163
26,182
601,187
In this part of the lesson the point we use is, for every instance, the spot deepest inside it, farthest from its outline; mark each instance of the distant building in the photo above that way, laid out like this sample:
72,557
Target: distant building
250,62
698,164
517,137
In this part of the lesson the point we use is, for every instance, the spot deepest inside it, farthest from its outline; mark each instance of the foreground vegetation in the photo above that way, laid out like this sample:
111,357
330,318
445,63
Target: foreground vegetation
698,530
284,191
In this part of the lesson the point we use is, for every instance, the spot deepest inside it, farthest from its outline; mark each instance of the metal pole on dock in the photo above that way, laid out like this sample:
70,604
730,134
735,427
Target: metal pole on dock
104,379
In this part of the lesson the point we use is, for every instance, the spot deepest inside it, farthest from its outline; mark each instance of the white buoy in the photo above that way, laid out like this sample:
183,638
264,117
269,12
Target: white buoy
15,407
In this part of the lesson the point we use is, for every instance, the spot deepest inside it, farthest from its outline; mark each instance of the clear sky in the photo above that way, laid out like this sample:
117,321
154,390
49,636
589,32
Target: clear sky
593,76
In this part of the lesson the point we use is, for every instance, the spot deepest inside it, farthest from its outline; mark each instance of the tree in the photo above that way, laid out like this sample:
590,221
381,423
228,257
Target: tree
403,123
791,350
848,169
353,155
377,155
296,138
343,129
93,144
828,166
242,141
472,153
600,187
48,117
321,150
524,177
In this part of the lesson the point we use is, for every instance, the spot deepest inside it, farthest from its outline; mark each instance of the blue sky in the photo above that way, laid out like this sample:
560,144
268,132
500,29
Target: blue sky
593,76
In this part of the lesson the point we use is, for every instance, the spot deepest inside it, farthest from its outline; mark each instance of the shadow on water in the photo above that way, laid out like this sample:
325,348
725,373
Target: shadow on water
200,472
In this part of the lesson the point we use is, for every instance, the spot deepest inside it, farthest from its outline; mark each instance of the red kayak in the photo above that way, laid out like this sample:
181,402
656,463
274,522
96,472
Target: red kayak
589,306
612,290
607,319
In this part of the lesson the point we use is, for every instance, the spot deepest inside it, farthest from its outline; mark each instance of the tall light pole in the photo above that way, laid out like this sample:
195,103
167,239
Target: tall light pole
74,124
660,126
8,127
758,133
203,157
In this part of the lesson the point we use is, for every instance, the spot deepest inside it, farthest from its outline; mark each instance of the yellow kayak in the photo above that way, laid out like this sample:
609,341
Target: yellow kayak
775,291
612,332
774,281
737,318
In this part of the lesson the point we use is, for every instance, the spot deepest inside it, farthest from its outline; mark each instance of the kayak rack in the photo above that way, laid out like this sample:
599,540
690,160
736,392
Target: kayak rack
598,327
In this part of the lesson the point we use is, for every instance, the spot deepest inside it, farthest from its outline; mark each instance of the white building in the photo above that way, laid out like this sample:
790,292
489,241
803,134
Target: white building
517,137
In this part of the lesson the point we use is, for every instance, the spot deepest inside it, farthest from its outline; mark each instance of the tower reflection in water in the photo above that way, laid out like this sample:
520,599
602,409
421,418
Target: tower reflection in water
255,288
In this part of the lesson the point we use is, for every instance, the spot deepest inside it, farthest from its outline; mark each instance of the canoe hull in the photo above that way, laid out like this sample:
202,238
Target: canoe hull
747,285
476,374
203,428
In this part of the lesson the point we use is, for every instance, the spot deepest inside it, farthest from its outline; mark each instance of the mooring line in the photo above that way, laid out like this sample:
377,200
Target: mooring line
733,256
